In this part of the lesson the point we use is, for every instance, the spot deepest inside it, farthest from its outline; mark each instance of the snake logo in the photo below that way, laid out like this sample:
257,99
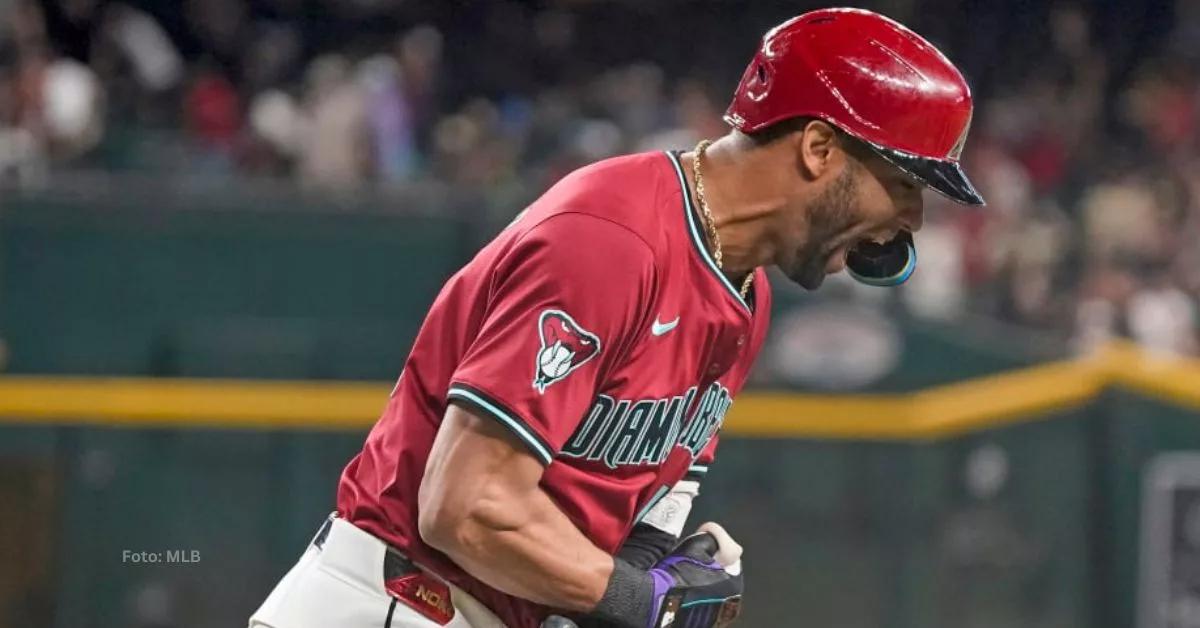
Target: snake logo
565,346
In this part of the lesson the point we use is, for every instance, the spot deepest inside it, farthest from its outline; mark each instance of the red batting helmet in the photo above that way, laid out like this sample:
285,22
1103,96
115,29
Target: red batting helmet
872,78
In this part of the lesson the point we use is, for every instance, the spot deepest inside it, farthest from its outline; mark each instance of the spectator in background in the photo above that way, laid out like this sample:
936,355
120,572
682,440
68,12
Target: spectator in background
419,55
155,62
392,136
1099,314
696,116
1009,190
634,98
1162,319
137,63
522,94
22,161
334,150
72,108
212,114
269,147
939,291
1160,104
1120,216
1034,249
51,107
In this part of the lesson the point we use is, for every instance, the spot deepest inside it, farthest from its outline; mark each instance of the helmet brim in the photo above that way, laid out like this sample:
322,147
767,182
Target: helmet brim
944,177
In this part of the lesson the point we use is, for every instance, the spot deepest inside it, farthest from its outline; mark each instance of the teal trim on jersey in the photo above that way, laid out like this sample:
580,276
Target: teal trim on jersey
697,239
662,492
515,425
698,469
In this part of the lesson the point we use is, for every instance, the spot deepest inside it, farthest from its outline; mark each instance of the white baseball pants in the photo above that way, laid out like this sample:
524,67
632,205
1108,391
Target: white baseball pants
341,584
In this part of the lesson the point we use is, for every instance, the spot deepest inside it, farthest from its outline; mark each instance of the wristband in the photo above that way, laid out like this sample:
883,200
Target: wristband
645,546
629,598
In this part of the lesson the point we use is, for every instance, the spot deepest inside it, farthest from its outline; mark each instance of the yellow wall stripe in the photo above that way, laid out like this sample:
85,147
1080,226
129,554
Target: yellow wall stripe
1010,397
946,410
206,403
1173,380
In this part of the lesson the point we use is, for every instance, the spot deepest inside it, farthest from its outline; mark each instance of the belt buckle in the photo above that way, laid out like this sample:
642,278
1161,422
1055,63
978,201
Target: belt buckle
423,593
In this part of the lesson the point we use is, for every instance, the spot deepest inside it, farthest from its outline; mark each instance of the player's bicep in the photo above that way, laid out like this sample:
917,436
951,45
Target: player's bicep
565,305
473,459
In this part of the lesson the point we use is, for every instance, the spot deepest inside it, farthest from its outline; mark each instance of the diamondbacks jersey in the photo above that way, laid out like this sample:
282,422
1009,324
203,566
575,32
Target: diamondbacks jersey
598,330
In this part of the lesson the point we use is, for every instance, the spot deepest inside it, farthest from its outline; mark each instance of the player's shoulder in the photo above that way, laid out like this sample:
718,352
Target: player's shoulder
630,191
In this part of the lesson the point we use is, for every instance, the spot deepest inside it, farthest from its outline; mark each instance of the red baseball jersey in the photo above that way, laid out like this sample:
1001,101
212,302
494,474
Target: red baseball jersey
598,330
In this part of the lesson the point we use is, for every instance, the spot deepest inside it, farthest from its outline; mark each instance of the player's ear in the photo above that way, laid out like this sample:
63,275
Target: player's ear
816,147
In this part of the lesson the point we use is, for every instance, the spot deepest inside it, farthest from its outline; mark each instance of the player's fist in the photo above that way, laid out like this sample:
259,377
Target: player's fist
697,585
694,587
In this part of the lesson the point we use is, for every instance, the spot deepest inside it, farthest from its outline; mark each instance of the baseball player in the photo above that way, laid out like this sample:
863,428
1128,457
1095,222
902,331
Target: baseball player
564,397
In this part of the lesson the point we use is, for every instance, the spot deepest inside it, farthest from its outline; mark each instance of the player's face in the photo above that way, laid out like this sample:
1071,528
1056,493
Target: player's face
868,199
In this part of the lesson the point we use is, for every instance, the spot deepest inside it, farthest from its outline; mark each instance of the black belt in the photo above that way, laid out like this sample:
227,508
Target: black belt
395,564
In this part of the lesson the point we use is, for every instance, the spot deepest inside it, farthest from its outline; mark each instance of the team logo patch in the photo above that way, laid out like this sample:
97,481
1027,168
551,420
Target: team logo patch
565,347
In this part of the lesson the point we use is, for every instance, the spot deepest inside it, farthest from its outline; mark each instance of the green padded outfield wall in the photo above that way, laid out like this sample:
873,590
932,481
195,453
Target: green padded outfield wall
277,291
290,287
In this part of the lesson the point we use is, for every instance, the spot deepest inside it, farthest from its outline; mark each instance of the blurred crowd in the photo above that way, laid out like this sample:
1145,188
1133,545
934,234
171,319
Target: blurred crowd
1084,139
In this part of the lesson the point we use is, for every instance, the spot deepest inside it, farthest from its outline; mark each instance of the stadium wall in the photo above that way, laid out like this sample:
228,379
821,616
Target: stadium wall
1012,498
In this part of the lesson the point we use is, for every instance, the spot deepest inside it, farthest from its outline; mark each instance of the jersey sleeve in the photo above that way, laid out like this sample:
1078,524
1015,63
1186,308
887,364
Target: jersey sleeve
564,306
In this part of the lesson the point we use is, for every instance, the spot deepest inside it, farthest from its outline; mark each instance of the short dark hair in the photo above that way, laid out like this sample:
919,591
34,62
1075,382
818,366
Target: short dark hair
778,131
764,137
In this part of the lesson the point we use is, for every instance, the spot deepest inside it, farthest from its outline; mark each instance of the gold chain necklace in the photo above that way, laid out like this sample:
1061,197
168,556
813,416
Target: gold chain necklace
709,221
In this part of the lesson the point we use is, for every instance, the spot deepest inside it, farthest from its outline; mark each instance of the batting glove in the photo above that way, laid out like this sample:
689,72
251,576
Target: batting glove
690,587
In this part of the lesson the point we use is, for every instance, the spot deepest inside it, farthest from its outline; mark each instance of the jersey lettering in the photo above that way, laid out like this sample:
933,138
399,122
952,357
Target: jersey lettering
628,432
617,452
708,418
585,434
663,429
611,421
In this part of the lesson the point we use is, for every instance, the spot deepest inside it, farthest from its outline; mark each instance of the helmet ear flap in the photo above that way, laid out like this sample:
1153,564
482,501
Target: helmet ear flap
888,264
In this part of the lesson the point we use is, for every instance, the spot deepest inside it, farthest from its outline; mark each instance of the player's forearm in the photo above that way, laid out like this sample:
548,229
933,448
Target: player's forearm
525,547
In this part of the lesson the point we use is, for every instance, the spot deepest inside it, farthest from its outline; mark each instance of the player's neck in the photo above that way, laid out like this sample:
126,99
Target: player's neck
742,199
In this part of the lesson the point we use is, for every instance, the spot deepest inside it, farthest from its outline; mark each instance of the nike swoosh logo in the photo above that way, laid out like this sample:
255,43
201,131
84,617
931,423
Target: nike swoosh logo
659,328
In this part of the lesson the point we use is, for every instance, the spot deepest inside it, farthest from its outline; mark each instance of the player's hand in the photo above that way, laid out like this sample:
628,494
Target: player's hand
698,585
700,582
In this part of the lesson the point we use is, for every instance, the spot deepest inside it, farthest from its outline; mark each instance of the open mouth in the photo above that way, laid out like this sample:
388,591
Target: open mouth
836,262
